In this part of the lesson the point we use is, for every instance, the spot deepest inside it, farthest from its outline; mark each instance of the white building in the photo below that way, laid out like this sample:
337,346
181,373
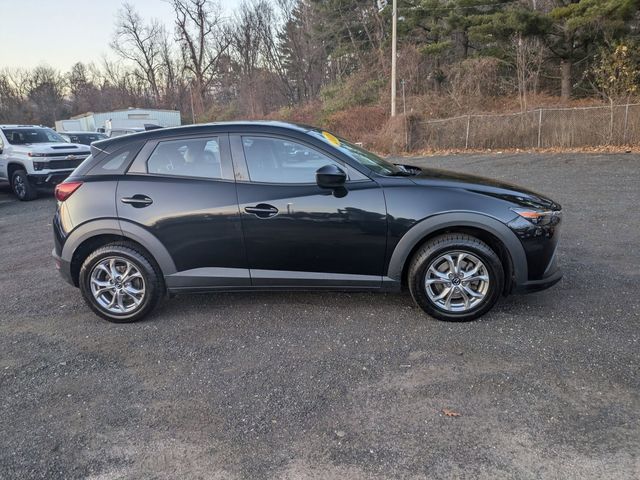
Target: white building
131,118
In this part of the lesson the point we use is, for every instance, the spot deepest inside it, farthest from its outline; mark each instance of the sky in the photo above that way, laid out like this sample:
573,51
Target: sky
60,33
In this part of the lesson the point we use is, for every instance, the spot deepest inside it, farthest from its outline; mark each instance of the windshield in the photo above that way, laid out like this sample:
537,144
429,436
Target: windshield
362,156
25,136
85,138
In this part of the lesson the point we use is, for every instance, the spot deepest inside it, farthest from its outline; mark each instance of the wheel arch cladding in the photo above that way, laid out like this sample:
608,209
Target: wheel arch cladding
493,232
12,166
92,235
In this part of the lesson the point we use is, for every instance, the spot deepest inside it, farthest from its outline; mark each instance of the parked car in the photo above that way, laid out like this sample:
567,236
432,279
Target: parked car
119,132
32,156
273,206
84,138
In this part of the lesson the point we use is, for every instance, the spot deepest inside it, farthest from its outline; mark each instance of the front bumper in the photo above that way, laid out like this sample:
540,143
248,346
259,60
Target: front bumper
52,178
542,284
63,267
549,278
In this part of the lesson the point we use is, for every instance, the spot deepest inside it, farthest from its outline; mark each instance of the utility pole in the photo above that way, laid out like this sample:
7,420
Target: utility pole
394,41
404,112
193,115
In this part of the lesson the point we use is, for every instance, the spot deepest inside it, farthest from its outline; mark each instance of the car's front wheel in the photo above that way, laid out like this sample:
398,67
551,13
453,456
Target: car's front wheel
22,187
121,283
455,277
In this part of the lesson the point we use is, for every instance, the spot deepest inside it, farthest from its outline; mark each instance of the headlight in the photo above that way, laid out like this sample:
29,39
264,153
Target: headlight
539,217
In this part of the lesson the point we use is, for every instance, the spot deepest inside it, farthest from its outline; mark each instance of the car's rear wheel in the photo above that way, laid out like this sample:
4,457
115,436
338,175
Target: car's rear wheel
22,187
121,283
455,277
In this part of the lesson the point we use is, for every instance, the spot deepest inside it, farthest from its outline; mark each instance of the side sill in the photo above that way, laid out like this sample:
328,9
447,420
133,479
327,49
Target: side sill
265,288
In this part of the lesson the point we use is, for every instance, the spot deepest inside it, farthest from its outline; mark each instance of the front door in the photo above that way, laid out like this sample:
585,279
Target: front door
300,235
183,192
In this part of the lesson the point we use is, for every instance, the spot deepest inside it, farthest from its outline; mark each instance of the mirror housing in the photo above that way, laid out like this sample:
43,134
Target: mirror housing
331,176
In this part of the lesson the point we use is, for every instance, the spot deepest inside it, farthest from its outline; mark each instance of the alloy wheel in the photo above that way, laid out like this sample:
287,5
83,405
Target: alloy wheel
457,281
117,285
19,186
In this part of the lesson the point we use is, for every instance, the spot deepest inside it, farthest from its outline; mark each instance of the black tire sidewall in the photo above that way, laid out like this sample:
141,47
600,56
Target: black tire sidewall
149,273
440,246
30,191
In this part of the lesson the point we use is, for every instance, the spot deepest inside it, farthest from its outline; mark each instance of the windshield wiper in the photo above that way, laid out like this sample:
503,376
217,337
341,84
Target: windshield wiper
406,170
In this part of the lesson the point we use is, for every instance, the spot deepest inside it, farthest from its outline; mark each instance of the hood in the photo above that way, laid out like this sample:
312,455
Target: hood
53,149
56,147
486,186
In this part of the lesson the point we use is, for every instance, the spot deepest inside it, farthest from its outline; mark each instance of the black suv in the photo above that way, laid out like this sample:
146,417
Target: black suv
273,206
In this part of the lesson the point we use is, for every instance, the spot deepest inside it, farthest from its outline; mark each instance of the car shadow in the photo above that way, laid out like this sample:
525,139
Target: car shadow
313,304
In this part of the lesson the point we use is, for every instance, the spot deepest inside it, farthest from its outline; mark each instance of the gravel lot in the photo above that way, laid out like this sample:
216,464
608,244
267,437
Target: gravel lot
335,386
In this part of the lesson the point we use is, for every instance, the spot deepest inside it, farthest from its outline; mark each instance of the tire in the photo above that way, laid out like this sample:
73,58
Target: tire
102,295
22,187
447,296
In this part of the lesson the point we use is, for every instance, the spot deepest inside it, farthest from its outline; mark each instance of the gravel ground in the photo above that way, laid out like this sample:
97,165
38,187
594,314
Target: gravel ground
335,386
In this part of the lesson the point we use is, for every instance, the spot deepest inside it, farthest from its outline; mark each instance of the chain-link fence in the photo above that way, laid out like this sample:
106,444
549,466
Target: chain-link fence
542,128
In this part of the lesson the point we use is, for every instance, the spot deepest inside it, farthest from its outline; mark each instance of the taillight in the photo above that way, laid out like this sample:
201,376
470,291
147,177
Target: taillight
64,190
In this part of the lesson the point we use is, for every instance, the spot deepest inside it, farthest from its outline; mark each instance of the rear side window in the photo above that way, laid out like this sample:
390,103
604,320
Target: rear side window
116,162
109,163
190,157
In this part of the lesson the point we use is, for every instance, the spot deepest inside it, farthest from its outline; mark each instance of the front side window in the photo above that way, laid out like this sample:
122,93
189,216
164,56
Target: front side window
27,136
192,157
276,160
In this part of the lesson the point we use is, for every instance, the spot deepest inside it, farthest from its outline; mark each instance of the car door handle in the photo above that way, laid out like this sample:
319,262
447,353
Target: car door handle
262,210
137,201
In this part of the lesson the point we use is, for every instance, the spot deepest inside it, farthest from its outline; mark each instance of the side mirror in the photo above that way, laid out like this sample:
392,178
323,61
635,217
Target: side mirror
331,176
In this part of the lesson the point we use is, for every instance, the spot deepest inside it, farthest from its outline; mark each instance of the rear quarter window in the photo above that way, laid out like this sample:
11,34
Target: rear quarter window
113,162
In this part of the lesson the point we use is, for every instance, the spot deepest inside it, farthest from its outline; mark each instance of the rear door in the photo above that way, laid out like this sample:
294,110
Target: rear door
182,191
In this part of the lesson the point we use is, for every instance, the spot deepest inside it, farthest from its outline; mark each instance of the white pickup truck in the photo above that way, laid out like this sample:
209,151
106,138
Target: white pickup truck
33,156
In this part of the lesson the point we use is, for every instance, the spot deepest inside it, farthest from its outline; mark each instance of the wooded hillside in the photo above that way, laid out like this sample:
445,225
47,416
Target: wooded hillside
328,61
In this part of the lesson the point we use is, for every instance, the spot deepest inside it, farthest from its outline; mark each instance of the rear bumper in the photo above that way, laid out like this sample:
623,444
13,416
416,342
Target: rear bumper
49,178
63,267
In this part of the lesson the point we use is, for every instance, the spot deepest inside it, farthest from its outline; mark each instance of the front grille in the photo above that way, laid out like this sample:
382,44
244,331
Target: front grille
64,154
61,164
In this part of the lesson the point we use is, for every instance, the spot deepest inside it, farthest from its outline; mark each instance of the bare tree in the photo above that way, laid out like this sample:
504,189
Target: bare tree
529,55
141,44
203,39
172,74
13,100
45,95
246,45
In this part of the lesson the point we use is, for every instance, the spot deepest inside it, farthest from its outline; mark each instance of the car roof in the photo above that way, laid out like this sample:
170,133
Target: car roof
81,132
266,126
23,126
